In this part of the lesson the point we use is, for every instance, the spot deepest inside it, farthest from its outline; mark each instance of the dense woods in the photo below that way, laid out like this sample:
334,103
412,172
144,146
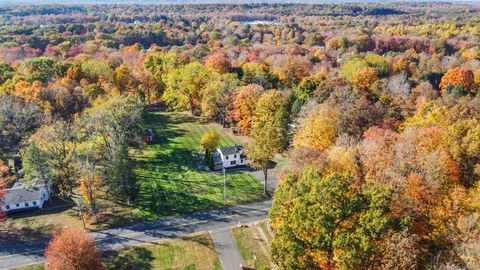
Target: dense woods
375,107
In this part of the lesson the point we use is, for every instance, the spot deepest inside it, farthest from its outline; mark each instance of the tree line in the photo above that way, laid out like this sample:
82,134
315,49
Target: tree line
377,117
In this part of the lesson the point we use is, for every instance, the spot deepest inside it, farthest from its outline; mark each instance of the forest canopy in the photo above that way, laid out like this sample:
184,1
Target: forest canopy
375,108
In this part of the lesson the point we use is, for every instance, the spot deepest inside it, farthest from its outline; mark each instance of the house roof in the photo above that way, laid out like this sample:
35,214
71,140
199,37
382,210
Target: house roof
20,194
226,151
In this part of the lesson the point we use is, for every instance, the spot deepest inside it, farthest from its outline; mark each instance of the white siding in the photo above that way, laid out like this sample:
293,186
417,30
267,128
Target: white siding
28,204
227,160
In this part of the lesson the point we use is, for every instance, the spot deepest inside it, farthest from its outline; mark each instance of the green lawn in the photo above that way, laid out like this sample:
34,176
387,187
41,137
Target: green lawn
172,174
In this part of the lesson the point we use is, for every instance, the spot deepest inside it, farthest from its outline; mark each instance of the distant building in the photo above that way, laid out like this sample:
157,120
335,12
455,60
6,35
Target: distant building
20,197
229,157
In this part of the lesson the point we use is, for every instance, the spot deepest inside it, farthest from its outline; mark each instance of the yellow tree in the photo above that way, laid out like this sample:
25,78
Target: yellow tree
124,80
269,130
209,140
90,183
364,78
319,130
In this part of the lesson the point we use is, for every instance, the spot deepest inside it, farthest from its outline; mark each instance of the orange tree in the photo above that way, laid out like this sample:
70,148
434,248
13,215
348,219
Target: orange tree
72,249
457,76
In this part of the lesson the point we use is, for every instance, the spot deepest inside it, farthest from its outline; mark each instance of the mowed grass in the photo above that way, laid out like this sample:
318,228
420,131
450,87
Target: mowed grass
186,253
172,174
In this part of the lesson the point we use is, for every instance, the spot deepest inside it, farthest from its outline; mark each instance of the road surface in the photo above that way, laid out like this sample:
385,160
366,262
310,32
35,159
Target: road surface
214,220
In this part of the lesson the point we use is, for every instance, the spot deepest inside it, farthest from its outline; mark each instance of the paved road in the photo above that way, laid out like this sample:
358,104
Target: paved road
227,249
214,220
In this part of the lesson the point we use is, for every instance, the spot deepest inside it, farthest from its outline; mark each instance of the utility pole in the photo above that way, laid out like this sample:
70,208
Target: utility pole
80,204
224,185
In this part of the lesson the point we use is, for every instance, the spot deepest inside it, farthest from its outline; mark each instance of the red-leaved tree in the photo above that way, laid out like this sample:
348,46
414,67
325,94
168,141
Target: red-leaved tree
73,249
5,178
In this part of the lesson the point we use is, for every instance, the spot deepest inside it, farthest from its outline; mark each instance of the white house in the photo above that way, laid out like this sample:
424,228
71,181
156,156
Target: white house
229,157
19,197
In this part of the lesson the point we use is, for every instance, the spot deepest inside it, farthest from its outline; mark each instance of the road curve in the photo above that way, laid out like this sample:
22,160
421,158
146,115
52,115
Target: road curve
145,232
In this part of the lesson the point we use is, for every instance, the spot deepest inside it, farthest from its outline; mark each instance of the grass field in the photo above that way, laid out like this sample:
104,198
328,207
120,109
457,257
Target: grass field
254,240
186,253
172,171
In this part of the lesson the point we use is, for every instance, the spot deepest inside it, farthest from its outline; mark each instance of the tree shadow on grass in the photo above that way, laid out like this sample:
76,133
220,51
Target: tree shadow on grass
200,239
9,236
172,177
138,258
170,183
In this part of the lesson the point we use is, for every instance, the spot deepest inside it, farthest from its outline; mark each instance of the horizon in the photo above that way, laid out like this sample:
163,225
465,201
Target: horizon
206,2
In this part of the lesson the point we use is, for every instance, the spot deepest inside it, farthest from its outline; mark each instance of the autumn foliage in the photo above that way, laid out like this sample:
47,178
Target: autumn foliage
319,130
244,102
341,92
364,78
217,62
72,249
457,76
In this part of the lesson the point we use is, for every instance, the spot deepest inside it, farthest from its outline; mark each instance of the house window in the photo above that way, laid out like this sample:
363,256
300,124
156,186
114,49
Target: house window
233,162
34,203
7,206
26,204
226,157
235,156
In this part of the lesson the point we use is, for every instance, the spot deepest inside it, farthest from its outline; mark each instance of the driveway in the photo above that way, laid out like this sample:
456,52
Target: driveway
227,249
272,180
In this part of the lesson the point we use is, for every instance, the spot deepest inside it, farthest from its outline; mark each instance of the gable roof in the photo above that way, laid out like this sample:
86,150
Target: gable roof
226,151
20,194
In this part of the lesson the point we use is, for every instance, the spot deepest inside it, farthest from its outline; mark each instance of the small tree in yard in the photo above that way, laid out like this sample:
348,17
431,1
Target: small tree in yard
209,142
72,249
261,156
269,131
90,182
